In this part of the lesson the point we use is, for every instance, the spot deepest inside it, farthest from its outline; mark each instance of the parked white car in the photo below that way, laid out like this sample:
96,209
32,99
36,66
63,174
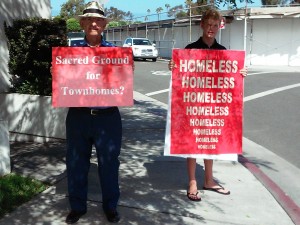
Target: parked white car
142,48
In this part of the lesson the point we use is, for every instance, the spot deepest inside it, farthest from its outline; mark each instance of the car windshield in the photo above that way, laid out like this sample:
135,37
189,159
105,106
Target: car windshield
141,42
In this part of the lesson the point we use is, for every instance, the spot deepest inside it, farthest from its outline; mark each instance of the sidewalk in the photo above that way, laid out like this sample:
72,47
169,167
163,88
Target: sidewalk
153,187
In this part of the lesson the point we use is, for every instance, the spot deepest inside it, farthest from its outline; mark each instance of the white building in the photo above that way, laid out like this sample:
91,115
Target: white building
270,36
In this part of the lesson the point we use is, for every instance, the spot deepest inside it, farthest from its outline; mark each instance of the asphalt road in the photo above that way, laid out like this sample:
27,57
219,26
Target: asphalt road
271,117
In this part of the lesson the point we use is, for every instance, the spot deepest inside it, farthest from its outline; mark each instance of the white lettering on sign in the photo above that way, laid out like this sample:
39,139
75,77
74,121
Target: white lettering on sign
208,82
209,66
74,60
207,110
114,61
92,91
71,60
92,76
206,122
207,97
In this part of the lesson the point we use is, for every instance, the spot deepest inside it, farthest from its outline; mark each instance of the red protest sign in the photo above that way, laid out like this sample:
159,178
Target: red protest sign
91,77
206,102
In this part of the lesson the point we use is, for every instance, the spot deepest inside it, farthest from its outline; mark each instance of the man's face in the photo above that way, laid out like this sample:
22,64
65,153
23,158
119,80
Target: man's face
210,28
93,25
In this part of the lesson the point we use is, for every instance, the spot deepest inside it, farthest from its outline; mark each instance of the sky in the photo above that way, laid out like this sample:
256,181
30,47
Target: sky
137,7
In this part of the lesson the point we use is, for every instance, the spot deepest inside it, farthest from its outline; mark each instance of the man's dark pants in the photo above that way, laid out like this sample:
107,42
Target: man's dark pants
104,131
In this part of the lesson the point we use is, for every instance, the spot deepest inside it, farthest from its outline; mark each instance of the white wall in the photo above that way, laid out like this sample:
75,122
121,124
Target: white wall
294,57
14,9
269,41
276,42
233,35
32,117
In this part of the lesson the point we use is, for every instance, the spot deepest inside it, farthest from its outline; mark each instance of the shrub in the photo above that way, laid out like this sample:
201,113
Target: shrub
30,43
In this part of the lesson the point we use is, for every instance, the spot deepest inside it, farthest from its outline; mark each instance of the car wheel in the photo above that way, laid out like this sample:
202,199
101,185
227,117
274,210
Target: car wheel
154,60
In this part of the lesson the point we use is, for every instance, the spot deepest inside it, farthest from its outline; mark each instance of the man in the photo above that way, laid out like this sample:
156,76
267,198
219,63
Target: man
210,24
101,127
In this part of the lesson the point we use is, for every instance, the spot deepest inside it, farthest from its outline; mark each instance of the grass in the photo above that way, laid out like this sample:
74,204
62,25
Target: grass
16,190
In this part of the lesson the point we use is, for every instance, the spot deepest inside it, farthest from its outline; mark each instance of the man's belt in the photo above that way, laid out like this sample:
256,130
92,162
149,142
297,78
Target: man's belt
95,112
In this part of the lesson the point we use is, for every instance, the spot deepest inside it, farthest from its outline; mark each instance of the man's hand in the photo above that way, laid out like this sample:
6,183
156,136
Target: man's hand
244,71
171,65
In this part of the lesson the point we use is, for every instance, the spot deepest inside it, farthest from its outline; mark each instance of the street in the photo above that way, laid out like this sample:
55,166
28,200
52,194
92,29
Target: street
271,115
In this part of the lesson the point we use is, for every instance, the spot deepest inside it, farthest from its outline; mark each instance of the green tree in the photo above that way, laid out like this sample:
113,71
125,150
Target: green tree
270,2
199,6
175,11
167,6
117,15
71,8
218,3
181,14
158,11
295,2
73,25
117,23
279,2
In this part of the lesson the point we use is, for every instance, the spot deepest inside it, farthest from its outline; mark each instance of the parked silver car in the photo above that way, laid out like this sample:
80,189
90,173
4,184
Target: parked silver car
142,48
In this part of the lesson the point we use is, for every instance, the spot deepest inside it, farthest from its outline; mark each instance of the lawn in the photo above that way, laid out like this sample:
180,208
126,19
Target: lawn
16,190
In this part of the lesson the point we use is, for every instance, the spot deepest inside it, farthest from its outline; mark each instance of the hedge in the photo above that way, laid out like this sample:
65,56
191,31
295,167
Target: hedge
30,43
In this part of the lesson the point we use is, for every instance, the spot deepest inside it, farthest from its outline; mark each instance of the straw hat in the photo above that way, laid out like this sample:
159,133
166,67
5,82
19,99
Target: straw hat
93,9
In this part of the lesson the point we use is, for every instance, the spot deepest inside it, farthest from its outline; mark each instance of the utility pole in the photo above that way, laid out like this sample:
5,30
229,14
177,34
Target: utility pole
146,19
190,6
245,27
